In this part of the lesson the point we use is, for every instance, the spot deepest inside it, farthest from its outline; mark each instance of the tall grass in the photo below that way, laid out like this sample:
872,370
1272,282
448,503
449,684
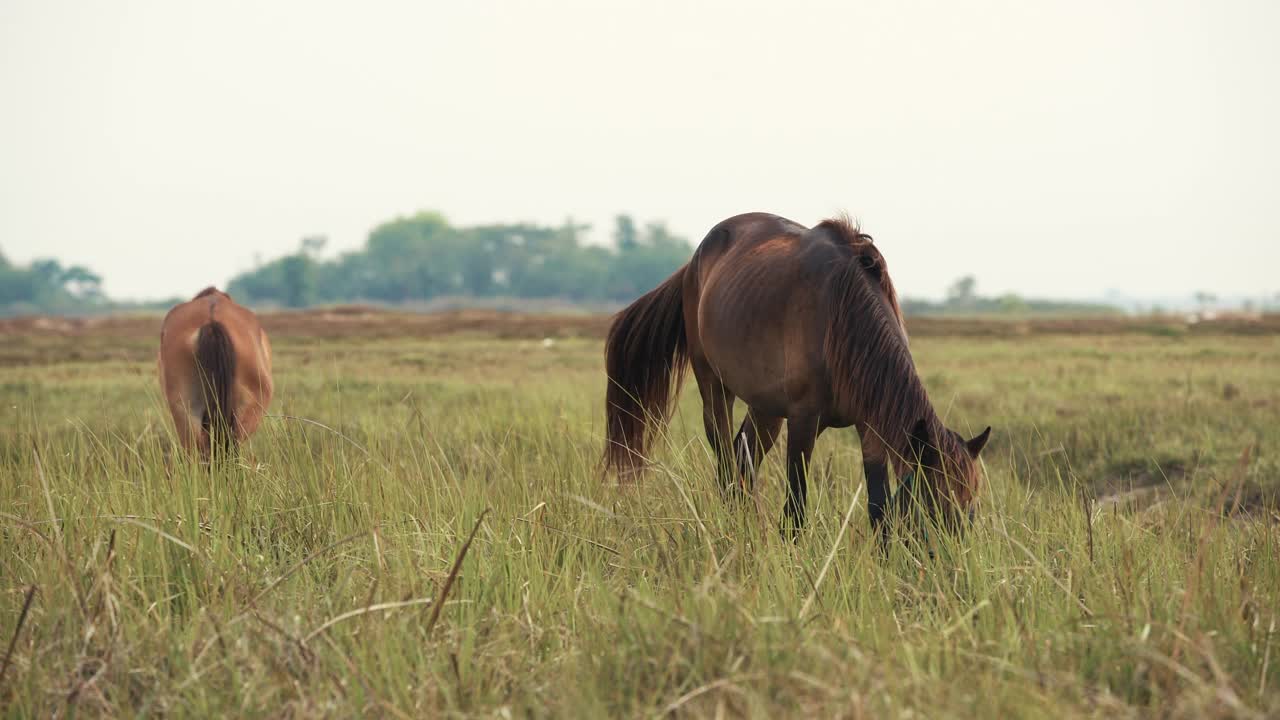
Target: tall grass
328,572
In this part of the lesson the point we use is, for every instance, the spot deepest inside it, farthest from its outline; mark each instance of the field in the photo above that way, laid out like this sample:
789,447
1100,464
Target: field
1125,560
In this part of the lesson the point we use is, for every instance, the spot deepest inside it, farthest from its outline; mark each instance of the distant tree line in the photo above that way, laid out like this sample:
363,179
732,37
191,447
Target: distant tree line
422,257
46,286
963,299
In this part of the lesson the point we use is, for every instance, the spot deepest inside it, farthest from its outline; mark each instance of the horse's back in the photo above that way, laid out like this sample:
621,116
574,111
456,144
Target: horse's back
741,231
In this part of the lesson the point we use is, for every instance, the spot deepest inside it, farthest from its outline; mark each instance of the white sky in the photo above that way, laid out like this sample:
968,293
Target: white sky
1054,149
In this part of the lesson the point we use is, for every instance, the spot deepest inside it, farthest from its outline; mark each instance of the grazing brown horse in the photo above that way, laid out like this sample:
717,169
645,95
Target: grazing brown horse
804,326
215,370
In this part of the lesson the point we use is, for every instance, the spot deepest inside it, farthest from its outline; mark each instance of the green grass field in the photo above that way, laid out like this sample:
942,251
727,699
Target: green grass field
1125,560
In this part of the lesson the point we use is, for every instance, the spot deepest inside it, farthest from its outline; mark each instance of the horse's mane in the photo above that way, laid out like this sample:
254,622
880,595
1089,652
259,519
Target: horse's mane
211,290
872,371
850,234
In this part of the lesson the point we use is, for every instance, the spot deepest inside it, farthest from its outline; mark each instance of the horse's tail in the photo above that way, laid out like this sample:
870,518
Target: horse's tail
645,357
216,365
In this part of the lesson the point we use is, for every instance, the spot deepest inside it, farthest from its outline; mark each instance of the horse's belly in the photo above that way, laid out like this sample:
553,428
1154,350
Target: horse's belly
764,355
790,396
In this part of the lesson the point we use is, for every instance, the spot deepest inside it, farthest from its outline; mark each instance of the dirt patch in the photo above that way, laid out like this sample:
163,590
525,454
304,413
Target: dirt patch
1164,326
345,322
365,321
1128,474
1254,502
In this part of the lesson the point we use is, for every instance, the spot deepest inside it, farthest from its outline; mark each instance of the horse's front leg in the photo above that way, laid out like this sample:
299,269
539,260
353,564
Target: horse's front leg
877,473
754,440
875,466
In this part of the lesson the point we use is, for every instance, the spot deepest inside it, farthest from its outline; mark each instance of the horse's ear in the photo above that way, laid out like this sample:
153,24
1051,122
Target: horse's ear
975,445
919,439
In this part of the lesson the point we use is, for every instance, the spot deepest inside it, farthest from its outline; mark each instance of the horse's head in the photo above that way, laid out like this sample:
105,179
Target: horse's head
946,474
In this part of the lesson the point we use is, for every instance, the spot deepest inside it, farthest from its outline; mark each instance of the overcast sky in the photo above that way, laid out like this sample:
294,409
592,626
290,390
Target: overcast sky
1053,149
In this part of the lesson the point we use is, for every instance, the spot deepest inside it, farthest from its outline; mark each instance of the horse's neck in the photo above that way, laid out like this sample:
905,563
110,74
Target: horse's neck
898,402
874,379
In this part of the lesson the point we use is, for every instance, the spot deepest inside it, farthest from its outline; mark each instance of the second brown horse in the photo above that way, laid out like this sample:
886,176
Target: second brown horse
803,325
215,371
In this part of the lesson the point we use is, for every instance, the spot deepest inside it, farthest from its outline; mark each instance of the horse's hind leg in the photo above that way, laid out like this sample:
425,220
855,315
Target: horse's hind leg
186,422
801,435
717,420
754,440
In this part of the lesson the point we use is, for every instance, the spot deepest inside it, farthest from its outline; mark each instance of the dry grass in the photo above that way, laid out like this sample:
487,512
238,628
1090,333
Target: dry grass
440,545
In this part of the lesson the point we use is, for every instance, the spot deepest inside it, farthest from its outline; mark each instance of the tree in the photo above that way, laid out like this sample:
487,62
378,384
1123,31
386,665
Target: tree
1204,299
82,284
297,278
313,245
414,258
17,285
46,286
963,291
1011,303
624,233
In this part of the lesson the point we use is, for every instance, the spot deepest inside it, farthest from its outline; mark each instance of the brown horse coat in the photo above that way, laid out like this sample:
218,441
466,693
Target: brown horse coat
215,370
757,324
802,324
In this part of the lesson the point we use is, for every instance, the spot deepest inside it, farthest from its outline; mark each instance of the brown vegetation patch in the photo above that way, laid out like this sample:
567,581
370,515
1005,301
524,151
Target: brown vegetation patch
345,321
365,321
